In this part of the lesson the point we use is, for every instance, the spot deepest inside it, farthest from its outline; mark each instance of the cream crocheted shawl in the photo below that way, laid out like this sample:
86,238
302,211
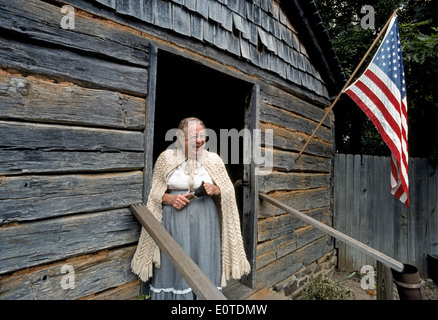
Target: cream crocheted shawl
234,261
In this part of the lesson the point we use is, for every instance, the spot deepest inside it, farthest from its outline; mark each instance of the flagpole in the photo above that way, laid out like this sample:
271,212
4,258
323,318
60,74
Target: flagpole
349,80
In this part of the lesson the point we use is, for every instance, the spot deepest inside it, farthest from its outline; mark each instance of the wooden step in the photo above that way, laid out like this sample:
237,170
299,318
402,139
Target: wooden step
237,291
267,294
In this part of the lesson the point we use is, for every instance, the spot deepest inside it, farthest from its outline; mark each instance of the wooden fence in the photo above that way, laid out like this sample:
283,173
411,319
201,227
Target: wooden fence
365,209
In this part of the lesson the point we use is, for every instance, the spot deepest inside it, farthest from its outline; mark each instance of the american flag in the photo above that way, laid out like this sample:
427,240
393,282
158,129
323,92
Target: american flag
381,93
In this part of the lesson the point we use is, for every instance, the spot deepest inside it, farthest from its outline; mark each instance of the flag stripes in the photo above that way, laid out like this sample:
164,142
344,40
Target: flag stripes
381,93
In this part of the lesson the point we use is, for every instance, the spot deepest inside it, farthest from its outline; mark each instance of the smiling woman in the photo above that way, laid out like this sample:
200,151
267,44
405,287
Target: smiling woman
207,227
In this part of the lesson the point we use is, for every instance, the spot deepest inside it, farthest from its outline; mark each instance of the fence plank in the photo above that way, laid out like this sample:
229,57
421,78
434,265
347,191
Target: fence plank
433,216
370,205
349,193
340,207
411,215
363,236
355,228
384,223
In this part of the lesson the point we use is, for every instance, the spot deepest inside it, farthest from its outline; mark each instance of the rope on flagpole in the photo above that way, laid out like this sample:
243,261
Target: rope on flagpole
349,80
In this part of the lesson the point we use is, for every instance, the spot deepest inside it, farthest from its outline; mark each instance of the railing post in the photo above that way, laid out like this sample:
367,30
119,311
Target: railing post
385,287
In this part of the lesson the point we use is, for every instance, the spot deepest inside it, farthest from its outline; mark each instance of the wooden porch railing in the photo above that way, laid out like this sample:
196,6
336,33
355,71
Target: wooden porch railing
206,290
187,268
384,262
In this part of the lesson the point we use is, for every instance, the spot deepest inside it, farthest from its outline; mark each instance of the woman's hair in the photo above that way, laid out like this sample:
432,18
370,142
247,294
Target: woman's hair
184,123
183,128
191,167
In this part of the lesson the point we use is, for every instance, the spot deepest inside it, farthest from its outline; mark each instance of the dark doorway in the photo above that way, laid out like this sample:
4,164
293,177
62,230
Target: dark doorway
186,88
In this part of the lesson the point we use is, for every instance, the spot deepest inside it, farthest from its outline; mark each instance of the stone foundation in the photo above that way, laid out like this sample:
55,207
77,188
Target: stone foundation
294,285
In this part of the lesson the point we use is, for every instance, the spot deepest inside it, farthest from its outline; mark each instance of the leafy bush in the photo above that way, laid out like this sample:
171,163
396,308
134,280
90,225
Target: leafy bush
324,289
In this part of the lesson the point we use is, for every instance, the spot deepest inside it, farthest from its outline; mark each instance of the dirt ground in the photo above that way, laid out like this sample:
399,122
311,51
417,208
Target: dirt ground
352,283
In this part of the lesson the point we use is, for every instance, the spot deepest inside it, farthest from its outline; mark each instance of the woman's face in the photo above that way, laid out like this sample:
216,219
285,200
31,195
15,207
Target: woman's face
194,140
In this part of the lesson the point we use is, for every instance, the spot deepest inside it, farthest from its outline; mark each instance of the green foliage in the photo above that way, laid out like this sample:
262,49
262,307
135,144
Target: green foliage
324,289
418,24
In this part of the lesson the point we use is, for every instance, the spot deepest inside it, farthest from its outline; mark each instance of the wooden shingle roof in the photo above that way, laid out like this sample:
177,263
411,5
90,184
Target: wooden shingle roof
258,31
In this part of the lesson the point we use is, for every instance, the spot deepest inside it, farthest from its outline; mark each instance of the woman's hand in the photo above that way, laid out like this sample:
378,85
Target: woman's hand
178,201
211,189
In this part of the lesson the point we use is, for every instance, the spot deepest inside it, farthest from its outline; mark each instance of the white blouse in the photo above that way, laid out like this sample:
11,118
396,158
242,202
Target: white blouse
178,179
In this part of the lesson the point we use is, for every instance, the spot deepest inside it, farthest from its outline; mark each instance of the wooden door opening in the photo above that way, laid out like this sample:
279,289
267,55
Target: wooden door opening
185,88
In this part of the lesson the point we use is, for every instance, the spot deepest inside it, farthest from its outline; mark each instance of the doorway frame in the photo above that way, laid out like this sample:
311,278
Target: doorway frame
250,192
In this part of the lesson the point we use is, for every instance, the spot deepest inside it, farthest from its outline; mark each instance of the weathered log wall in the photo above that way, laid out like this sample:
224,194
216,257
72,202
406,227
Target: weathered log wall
285,244
72,116
72,144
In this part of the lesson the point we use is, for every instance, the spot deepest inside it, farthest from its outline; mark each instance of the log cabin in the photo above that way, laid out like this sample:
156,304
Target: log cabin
88,92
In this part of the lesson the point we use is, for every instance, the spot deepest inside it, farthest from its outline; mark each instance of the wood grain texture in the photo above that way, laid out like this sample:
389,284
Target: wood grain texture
289,161
31,136
31,244
15,162
65,65
292,121
93,273
32,197
36,100
41,21
294,141
292,181
289,264
300,199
